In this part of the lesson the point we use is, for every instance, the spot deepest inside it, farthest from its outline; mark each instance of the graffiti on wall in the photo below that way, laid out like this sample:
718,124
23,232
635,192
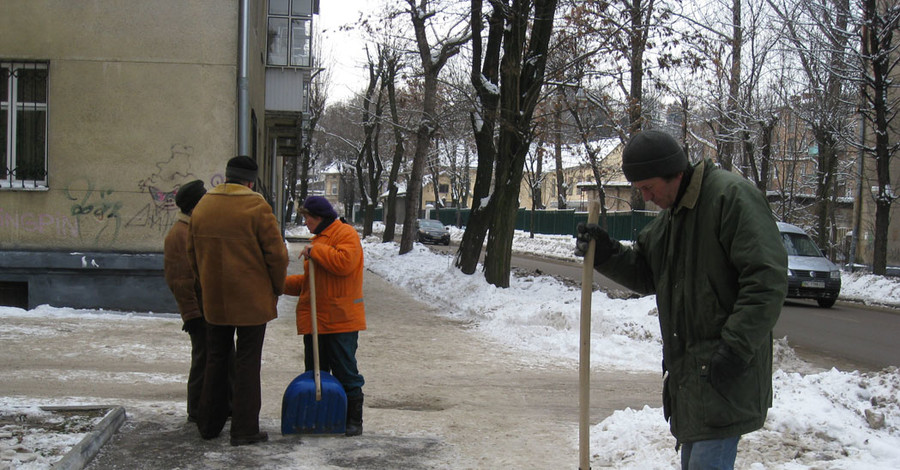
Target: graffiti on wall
160,211
45,224
97,211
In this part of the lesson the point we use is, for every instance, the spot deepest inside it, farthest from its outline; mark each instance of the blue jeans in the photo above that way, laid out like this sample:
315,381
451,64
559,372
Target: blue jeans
715,454
337,356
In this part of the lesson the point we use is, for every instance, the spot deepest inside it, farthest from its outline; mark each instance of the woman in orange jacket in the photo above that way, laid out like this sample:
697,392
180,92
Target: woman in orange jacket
338,257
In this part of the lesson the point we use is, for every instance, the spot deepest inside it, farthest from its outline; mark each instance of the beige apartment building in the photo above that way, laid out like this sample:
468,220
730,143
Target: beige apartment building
106,108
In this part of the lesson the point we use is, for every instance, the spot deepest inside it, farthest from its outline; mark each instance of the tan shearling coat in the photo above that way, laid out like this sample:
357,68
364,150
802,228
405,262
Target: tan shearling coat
238,256
179,275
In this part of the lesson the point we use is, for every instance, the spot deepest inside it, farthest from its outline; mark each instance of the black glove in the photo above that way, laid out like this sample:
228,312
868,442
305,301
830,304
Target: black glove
605,248
194,325
724,367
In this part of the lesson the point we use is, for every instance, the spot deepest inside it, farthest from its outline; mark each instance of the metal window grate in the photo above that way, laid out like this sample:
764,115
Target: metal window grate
24,89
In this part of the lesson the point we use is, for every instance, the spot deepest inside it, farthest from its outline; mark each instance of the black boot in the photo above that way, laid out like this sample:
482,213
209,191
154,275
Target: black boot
354,416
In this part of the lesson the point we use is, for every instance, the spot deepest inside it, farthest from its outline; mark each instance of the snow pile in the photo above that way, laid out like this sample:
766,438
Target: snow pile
536,313
870,289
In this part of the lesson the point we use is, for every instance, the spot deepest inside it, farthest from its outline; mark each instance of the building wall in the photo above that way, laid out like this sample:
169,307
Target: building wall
141,100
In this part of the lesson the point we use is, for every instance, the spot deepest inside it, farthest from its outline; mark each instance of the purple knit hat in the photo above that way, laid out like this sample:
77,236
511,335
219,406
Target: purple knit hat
319,207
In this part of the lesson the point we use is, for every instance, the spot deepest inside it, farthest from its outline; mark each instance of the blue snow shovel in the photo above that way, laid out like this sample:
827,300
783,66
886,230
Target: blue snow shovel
314,402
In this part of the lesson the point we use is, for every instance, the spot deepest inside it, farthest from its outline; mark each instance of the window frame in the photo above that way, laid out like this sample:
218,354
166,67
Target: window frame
11,107
287,54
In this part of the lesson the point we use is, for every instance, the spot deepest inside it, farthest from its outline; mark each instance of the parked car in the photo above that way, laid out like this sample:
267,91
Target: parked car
432,231
810,274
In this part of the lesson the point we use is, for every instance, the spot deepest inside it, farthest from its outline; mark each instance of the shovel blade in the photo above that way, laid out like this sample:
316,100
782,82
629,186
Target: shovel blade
301,413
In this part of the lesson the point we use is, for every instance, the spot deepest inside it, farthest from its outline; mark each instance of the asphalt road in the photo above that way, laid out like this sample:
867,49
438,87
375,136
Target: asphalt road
847,336
850,332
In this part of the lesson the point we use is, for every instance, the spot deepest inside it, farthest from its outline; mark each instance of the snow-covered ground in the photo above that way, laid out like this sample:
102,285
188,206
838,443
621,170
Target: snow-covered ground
823,419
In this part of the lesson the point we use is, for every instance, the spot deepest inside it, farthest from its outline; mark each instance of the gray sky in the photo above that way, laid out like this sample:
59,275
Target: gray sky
345,48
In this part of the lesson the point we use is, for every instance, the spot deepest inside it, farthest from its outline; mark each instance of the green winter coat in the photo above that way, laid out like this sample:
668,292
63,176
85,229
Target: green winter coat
718,267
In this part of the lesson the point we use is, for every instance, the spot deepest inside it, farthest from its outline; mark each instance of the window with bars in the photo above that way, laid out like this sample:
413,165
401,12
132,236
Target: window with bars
23,124
290,33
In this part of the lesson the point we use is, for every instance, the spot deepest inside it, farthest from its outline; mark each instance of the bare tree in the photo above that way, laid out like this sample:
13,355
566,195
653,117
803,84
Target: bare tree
511,83
818,34
433,53
340,143
636,39
485,77
368,161
392,67
298,169
881,102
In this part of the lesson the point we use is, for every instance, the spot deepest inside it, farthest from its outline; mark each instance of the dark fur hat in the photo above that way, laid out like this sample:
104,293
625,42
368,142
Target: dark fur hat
241,168
189,195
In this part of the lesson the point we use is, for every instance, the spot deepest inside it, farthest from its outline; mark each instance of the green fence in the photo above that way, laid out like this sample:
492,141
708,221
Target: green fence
621,225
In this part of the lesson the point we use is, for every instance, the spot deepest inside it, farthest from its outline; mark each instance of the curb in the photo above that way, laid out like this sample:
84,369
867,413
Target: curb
82,453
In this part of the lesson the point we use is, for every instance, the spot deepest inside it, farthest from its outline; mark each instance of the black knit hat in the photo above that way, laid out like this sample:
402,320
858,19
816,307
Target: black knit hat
241,168
651,154
189,195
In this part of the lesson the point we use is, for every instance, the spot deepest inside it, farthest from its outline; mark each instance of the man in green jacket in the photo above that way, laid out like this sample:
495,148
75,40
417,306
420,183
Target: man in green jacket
717,264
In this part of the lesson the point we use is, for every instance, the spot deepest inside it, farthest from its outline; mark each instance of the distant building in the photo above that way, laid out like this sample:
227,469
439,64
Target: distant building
578,176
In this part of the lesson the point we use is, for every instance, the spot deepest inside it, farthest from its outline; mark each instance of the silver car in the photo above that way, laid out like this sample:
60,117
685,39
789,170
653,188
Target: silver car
810,274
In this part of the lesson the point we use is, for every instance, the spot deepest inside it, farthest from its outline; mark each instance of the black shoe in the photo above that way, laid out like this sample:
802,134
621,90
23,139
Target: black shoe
354,416
353,429
246,440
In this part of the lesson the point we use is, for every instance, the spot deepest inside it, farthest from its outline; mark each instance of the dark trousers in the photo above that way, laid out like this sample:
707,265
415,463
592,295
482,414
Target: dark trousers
246,400
198,370
337,356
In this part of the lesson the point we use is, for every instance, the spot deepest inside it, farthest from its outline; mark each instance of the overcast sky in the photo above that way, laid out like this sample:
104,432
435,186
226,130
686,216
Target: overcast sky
343,48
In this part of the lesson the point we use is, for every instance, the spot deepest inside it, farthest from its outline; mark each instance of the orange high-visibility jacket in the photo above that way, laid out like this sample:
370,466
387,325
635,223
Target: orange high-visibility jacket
338,257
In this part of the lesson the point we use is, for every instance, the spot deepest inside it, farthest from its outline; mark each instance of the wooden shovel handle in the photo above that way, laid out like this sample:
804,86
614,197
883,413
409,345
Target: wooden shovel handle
584,363
314,319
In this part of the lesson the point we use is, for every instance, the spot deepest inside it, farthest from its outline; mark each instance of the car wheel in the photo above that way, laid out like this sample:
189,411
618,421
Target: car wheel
826,303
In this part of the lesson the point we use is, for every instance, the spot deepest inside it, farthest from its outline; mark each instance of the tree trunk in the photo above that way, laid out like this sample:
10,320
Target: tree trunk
364,156
423,140
877,44
485,78
432,63
390,206
522,75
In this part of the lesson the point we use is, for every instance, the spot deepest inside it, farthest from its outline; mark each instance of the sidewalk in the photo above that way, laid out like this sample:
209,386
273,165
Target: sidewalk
438,395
